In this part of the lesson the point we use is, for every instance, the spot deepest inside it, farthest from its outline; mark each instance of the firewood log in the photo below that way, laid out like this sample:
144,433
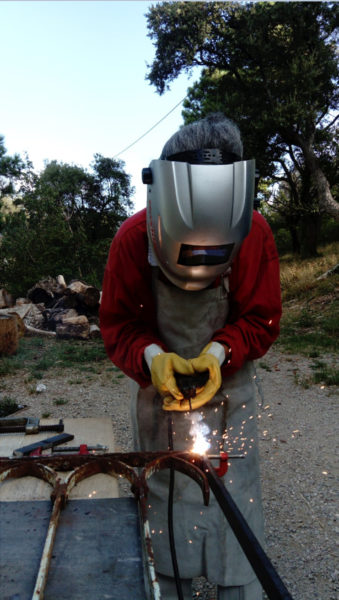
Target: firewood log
47,291
53,316
74,327
43,332
42,293
30,313
86,294
61,284
94,331
22,301
19,324
6,299
9,336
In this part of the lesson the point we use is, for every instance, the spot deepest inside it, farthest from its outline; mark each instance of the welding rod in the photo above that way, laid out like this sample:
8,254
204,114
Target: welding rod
209,456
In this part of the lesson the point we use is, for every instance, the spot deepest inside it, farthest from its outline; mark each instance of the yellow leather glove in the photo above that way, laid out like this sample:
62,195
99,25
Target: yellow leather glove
163,369
171,403
206,362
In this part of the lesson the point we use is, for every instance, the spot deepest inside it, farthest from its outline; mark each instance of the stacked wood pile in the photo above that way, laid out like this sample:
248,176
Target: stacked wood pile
53,308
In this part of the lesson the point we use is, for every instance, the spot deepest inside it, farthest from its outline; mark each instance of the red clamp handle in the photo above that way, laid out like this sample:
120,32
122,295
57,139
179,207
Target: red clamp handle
223,464
36,452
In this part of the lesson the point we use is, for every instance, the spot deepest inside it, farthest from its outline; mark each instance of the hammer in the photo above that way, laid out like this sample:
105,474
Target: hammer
28,425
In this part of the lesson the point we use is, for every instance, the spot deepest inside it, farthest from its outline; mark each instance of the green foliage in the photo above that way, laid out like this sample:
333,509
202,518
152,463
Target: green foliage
316,338
65,223
38,355
78,353
310,319
279,58
14,171
272,67
60,401
7,366
36,242
8,406
324,373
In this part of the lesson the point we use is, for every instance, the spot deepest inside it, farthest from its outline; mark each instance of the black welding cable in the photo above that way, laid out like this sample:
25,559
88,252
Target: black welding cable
170,515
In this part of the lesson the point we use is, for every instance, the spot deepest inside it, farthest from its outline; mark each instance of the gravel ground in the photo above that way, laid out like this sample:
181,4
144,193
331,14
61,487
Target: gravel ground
297,445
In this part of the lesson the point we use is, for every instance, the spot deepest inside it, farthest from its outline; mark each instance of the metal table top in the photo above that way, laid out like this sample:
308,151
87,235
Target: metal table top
97,552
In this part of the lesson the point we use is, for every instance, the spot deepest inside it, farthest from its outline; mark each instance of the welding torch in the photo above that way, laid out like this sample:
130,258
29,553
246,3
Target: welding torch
188,385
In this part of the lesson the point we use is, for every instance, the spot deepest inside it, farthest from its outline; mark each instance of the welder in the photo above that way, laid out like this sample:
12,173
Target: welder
192,285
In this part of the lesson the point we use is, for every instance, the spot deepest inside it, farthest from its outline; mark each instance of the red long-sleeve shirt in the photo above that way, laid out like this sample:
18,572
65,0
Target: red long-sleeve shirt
128,313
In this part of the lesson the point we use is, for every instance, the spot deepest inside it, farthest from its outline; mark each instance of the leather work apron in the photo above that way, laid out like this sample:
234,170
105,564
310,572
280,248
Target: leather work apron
205,544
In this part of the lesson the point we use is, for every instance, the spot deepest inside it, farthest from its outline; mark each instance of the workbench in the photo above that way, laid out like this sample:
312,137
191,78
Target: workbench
97,552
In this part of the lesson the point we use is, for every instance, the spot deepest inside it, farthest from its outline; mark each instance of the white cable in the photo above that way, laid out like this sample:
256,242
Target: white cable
149,130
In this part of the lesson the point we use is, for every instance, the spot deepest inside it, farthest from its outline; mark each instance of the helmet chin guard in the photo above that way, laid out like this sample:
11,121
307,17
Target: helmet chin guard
197,217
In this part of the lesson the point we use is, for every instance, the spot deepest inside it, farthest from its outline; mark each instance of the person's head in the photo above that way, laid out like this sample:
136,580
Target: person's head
214,131
199,202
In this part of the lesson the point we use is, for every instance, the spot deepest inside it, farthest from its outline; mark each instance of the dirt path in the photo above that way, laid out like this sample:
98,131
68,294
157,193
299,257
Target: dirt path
297,429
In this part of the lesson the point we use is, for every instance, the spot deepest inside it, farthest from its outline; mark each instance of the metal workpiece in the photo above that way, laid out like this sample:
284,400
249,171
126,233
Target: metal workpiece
179,463
128,465
59,498
152,587
14,469
61,488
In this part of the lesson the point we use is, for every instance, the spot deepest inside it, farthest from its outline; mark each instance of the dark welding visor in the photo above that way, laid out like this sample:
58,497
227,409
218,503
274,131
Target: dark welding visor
211,156
193,256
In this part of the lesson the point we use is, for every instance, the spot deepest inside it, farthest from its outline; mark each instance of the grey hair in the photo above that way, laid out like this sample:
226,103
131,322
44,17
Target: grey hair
214,131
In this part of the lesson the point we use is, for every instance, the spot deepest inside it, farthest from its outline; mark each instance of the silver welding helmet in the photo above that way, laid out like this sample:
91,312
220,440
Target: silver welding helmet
197,217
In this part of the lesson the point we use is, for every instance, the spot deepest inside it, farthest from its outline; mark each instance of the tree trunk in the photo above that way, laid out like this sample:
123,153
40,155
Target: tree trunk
310,227
294,238
320,183
327,202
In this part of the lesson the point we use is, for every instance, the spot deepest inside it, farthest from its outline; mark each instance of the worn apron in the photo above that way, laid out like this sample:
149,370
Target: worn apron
205,544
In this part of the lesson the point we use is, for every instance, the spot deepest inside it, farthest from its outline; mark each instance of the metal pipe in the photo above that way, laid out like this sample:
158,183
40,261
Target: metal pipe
262,566
41,580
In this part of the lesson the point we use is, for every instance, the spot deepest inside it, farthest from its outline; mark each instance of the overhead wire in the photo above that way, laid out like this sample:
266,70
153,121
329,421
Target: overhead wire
149,130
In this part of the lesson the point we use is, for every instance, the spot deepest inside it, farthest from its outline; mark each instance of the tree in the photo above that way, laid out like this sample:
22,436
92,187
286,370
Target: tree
65,224
271,66
109,196
107,204
14,171
36,243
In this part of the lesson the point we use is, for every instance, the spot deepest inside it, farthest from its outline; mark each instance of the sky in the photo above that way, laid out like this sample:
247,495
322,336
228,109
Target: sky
73,84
